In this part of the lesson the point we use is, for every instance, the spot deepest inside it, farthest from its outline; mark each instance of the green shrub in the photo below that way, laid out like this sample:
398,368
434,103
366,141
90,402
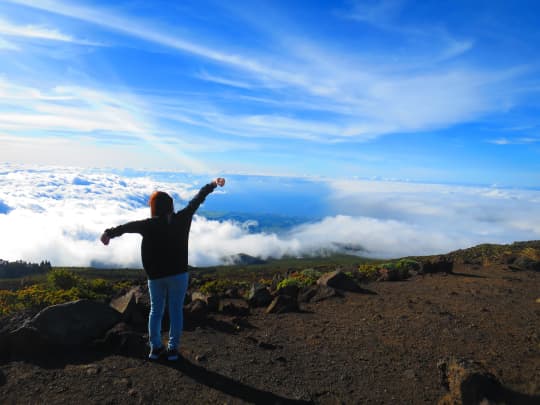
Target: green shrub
368,272
61,279
218,287
288,282
301,279
9,302
310,276
408,264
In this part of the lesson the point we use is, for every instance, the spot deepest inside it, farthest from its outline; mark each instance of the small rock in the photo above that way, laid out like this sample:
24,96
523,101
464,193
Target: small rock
289,290
409,374
92,370
259,296
281,304
338,279
200,358
267,346
232,306
438,265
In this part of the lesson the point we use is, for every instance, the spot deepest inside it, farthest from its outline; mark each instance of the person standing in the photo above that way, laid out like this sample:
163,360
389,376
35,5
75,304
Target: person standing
164,251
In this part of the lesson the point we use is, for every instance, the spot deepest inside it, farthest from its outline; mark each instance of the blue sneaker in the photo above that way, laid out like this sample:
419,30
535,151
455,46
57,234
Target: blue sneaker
156,353
172,354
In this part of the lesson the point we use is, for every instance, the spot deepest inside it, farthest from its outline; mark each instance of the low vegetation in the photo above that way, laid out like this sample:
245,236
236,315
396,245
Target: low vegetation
46,286
59,286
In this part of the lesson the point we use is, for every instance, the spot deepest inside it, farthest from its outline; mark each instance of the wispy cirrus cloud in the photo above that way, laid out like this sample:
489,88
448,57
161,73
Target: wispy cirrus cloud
40,32
75,111
515,141
369,100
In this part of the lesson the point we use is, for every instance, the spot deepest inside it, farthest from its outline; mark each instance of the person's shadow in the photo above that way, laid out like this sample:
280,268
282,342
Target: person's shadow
57,359
228,385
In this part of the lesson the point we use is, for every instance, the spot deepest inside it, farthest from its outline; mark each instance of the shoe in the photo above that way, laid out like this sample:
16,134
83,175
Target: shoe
172,354
156,353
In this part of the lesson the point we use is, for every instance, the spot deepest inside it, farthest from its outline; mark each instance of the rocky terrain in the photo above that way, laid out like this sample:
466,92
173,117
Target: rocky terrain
463,327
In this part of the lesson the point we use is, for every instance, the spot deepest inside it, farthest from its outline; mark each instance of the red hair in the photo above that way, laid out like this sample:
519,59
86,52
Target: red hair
160,204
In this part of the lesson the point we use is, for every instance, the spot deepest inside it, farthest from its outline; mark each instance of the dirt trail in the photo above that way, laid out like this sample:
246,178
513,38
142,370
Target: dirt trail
373,348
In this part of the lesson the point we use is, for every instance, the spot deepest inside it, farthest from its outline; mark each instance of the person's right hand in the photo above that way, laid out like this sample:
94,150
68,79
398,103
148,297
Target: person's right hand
105,238
220,181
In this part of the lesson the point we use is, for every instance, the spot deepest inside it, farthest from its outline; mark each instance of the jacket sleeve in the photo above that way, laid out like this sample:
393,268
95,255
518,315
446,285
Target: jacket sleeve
130,227
199,198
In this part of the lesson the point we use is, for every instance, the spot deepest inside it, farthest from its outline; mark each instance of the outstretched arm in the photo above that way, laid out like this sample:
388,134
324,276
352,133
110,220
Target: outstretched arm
130,227
203,192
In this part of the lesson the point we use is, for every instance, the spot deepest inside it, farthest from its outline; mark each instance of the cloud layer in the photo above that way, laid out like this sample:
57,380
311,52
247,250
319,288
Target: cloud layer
57,214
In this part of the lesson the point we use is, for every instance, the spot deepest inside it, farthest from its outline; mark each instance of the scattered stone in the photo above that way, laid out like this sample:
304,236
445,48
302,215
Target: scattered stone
92,369
133,392
122,339
392,274
233,306
469,382
267,346
134,307
200,358
196,310
231,293
338,279
282,304
125,304
317,293
259,296
525,263
289,290
211,300
72,323
438,265
409,374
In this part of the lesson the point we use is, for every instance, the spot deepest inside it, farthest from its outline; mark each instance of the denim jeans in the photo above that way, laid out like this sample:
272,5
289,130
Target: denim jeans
171,289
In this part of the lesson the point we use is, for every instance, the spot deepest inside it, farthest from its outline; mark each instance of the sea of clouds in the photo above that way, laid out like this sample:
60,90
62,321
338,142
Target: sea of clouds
58,214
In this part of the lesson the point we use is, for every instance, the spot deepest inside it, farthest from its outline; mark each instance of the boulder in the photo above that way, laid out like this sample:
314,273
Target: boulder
211,300
71,323
125,304
525,263
438,265
196,311
317,293
231,293
469,382
233,306
122,339
339,280
392,274
281,304
134,306
259,296
290,290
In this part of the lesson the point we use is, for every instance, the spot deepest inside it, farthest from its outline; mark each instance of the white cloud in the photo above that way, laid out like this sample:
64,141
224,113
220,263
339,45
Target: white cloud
80,111
371,99
7,45
39,32
58,214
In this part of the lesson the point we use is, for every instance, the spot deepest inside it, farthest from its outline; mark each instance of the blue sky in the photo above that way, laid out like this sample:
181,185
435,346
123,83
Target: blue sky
438,92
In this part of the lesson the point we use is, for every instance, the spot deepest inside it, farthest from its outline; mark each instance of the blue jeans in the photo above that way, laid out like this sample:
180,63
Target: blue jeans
174,288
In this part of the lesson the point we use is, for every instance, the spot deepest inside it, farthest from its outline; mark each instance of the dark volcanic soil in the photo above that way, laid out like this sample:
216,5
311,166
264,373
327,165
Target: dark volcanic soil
364,348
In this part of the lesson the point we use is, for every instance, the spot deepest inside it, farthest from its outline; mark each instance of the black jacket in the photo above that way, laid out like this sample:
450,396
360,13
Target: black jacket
164,247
